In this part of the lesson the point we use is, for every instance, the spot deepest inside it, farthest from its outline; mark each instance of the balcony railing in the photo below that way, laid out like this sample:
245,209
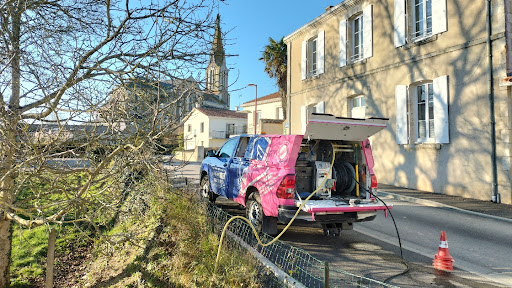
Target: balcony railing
226,134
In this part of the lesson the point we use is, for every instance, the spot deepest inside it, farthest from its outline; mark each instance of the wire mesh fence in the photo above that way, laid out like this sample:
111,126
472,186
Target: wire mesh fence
303,269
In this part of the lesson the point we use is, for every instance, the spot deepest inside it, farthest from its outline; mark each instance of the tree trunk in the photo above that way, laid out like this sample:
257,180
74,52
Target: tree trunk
5,250
50,259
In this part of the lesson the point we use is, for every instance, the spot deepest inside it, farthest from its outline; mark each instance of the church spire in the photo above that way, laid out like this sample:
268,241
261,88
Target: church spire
216,74
217,53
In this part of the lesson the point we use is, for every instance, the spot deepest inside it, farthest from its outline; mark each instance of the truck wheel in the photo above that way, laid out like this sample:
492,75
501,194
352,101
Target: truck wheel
205,191
257,218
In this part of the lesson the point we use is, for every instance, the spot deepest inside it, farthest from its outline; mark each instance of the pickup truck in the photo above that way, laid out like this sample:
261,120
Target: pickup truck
272,175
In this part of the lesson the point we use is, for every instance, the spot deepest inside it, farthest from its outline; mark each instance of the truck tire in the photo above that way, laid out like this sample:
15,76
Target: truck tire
258,219
205,190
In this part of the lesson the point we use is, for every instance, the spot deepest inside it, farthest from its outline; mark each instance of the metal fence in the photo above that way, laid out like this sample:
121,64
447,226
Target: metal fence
301,268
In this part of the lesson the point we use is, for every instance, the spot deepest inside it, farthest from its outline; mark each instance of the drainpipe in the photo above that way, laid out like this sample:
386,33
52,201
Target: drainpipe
495,195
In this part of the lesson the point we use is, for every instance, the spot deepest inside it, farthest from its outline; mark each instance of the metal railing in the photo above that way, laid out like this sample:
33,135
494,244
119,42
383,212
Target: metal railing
298,264
226,134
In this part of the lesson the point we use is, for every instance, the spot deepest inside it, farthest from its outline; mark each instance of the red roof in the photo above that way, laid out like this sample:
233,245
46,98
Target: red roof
221,113
272,96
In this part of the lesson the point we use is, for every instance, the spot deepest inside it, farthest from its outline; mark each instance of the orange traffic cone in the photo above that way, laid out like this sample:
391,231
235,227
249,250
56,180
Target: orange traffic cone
443,260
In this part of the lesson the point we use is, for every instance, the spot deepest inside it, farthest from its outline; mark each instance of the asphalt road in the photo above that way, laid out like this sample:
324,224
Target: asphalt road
478,244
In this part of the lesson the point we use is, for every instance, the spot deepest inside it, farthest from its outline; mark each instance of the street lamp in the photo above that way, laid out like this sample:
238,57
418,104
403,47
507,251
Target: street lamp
255,107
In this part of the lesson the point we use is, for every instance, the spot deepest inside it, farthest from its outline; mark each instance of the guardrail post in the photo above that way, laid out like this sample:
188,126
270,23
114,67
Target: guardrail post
326,277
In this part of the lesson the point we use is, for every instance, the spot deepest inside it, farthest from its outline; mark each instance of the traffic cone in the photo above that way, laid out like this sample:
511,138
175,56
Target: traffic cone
443,260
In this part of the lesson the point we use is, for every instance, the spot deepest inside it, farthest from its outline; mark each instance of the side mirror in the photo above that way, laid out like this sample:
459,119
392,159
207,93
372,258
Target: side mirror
210,153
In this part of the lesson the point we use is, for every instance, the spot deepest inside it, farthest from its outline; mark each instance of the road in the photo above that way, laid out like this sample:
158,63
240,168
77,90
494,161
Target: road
480,246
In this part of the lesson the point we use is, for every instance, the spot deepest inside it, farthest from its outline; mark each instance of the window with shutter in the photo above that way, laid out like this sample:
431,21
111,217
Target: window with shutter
312,58
427,18
429,120
356,37
358,107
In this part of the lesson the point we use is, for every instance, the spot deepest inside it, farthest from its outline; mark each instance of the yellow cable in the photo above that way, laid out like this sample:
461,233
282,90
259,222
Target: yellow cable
282,232
357,180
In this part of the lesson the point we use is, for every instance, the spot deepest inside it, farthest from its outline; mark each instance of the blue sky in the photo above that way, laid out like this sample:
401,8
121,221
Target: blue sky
248,25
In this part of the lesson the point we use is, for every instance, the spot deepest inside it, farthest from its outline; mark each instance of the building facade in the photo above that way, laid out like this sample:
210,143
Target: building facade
269,117
210,128
424,65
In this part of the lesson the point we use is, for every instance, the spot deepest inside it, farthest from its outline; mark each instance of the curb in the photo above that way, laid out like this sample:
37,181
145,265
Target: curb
437,204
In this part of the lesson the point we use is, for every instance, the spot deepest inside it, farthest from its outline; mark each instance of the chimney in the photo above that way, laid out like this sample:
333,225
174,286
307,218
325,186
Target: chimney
328,8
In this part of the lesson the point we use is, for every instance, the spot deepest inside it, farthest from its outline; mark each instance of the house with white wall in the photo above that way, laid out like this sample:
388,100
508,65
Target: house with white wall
210,127
269,117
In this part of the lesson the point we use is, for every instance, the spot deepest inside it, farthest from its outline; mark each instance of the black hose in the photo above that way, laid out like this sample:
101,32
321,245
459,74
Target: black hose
397,234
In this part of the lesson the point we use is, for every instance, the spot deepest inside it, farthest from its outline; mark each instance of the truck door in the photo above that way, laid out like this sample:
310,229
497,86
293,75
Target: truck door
237,168
220,178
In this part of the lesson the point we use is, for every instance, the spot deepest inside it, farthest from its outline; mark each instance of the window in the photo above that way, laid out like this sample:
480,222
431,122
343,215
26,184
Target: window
312,60
422,112
425,112
306,110
178,111
201,127
230,130
356,37
258,116
212,80
427,18
190,105
279,113
422,14
358,107
189,128
227,150
242,147
312,55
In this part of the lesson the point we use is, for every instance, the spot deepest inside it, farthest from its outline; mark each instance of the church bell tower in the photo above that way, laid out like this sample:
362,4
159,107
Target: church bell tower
216,74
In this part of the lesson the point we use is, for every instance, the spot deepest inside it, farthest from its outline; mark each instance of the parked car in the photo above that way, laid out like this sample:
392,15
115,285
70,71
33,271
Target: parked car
271,175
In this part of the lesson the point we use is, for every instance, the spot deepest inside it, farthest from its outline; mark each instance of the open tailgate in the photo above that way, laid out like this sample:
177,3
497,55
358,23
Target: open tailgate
329,127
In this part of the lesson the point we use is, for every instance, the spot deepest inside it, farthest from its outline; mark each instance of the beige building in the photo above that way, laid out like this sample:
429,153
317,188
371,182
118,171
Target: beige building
424,65
210,128
269,117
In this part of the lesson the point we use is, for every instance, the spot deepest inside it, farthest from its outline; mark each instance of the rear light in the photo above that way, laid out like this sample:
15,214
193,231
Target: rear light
373,185
286,188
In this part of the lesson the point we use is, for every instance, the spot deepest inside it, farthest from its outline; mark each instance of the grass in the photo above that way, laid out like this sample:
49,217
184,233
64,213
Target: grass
161,238
30,248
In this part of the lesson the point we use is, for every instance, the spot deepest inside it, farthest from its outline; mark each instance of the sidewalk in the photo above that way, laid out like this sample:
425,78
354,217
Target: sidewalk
488,208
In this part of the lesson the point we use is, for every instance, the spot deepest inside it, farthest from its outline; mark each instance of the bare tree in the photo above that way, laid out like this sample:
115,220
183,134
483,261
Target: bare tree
101,81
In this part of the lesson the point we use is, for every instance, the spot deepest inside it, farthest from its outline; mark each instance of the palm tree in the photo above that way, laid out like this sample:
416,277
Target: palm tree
275,58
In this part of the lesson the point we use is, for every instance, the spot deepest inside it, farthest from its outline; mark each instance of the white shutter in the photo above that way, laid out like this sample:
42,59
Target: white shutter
304,117
320,107
400,25
441,120
439,18
343,42
303,60
320,52
401,114
367,32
